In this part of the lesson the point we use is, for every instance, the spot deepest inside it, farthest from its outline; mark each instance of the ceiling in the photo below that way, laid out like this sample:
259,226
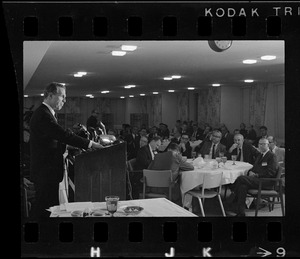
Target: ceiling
195,61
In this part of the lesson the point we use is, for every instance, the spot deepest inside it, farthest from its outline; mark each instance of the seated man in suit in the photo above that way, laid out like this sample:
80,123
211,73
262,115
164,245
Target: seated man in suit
197,133
278,151
264,167
171,160
245,152
185,146
213,148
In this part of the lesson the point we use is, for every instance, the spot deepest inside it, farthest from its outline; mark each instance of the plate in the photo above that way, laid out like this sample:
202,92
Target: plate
133,210
98,213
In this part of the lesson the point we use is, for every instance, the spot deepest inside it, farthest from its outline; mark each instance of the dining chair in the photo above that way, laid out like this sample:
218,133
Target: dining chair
276,191
159,179
134,180
211,187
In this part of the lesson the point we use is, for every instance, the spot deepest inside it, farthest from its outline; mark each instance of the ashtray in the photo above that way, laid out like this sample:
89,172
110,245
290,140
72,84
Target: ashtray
98,213
77,213
133,210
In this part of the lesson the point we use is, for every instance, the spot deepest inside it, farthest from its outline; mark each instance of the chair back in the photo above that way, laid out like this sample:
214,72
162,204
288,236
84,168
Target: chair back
212,180
131,164
278,171
157,178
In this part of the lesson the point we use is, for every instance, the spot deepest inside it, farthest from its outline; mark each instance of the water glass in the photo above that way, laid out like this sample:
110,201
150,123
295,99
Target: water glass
112,204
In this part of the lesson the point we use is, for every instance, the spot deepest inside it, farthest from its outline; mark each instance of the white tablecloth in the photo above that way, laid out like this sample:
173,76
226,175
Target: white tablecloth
192,179
159,207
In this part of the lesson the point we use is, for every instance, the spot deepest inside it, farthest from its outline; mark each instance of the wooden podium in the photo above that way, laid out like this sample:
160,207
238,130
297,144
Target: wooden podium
100,173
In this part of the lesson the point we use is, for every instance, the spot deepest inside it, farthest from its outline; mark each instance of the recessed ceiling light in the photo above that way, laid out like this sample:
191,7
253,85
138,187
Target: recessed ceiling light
92,96
168,78
42,94
176,77
142,94
215,85
88,95
128,47
248,80
122,97
129,86
118,53
249,61
268,57
105,92
82,73
25,95
171,91
155,92
131,95
77,75
191,88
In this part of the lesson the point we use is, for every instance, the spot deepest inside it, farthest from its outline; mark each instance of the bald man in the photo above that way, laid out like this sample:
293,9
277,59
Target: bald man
245,152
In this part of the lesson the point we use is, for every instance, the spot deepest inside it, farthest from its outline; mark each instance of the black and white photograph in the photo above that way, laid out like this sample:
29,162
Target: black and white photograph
154,128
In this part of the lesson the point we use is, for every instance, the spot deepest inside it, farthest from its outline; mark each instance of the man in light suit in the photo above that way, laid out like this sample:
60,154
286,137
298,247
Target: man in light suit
245,152
264,167
171,160
213,148
47,145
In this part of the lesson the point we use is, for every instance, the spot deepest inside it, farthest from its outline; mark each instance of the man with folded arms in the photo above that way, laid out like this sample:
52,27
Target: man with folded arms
264,167
171,160
245,152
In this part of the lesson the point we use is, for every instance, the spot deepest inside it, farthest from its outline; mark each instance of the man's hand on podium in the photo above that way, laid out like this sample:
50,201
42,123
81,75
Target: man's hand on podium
96,145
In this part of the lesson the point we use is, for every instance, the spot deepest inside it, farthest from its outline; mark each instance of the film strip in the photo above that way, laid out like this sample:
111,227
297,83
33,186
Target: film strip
141,21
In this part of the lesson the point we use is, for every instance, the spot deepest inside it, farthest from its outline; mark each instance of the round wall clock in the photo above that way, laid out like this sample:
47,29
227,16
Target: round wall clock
219,45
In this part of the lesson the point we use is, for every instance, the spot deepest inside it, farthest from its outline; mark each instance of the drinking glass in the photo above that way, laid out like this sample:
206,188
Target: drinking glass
233,158
221,154
112,204
194,154
224,159
218,159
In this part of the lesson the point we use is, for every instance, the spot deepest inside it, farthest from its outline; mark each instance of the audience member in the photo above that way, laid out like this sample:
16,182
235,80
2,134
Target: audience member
143,141
196,133
176,138
236,131
243,130
185,146
171,160
206,133
245,152
278,151
177,127
133,143
185,129
227,137
153,132
92,121
143,132
163,131
146,153
263,134
264,167
251,136
212,147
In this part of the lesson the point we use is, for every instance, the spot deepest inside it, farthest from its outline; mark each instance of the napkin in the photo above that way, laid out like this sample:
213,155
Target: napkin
71,206
198,162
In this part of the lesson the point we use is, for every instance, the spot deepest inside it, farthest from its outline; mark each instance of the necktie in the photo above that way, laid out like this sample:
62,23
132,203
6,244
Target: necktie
259,158
239,155
213,152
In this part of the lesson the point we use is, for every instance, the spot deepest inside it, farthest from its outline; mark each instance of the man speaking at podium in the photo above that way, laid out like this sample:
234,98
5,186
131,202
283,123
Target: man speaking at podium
47,145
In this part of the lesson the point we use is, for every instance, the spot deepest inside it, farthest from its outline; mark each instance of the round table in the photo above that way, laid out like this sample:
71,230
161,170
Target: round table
194,178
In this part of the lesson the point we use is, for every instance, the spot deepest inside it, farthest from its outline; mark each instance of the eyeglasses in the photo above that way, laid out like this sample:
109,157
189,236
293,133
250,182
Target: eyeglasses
216,136
262,143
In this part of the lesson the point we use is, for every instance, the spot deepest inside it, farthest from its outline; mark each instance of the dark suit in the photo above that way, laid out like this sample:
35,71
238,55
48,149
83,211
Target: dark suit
250,153
227,140
197,134
205,149
47,145
143,158
265,167
188,150
92,122
167,161
133,145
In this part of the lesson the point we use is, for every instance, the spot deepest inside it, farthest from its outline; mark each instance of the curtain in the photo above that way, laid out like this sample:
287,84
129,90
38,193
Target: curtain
183,106
209,105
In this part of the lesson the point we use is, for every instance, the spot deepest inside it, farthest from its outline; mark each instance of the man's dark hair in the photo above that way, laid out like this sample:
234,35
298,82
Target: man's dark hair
263,127
173,146
52,89
155,138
